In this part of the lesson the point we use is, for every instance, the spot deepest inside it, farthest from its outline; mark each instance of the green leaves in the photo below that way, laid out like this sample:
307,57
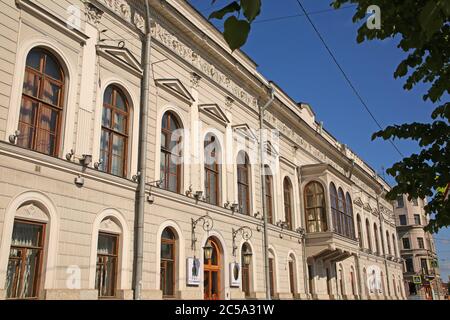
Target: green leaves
236,30
251,8
430,18
219,14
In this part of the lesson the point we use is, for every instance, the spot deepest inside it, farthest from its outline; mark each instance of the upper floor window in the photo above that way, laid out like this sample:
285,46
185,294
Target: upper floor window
421,243
287,190
42,103
388,241
268,196
243,180
369,240
409,265
212,170
349,216
171,153
417,219
406,243
360,236
402,219
415,202
114,138
316,218
168,263
400,202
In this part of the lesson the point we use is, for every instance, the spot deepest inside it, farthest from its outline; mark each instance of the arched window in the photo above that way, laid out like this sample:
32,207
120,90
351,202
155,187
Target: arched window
292,275
375,235
360,235
42,103
315,207
268,196
272,274
212,170
334,208
369,240
349,216
380,234
341,213
394,246
287,190
388,241
107,264
352,281
168,263
171,153
246,273
25,260
114,138
341,280
243,180
212,272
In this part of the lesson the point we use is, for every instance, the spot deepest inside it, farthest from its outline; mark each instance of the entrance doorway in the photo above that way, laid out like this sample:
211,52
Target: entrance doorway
213,272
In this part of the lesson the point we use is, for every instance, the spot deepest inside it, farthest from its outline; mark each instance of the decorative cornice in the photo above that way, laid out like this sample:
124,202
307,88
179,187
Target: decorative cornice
193,58
93,13
122,9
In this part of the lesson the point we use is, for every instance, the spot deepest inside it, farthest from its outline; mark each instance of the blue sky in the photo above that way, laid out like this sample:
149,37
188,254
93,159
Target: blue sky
289,53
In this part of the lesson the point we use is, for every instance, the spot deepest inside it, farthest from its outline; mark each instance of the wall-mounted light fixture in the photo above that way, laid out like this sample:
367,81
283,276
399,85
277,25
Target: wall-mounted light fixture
246,233
227,204
283,225
198,195
207,225
235,207
98,164
70,155
86,160
13,137
302,233
135,177
79,181
189,192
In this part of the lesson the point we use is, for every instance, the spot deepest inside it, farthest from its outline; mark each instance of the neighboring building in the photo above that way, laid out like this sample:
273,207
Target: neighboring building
70,95
418,250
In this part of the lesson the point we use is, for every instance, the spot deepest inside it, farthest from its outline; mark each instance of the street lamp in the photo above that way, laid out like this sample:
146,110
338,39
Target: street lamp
246,233
208,250
247,256
207,225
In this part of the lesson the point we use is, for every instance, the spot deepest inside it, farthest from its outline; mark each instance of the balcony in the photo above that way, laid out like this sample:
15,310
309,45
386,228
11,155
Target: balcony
330,246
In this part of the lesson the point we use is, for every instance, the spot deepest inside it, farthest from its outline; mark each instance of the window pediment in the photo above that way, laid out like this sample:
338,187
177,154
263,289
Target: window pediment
176,87
245,131
122,57
214,111
367,207
358,202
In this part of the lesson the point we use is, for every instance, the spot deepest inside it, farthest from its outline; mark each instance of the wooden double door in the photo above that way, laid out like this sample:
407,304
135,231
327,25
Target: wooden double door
212,274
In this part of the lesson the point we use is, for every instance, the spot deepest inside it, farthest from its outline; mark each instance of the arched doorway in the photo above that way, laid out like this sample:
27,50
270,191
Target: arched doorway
213,272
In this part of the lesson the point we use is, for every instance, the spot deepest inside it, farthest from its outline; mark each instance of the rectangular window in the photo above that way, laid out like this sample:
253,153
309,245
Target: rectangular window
107,256
400,203
424,266
271,277
409,265
311,279
402,219
25,259
421,243
292,277
406,244
417,219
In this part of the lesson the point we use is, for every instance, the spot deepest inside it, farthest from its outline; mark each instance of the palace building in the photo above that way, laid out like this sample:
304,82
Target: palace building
79,149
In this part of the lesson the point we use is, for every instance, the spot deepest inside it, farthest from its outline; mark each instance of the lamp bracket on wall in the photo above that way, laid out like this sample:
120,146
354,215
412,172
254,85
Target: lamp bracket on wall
246,233
207,225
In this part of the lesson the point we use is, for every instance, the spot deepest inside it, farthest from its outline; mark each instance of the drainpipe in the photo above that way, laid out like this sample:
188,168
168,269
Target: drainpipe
263,190
382,239
142,163
302,214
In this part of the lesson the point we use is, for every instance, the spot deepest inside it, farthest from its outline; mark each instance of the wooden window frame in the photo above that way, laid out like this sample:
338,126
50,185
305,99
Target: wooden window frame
115,90
268,197
209,268
246,272
287,190
212,170
38,274
315,194
115,256
369,238
272,276
41,104
243,169
164,262
292,285
167,154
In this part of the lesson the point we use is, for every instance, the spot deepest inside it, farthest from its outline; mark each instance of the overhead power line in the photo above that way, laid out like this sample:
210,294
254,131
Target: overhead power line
346,76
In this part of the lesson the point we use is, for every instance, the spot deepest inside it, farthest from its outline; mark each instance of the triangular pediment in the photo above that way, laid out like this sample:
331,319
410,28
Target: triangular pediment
367,207
244,130
176,87
215,112
358,202
121,56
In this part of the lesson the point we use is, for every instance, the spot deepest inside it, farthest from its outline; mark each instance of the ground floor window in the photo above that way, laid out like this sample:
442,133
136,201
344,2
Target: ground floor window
25,260
107,261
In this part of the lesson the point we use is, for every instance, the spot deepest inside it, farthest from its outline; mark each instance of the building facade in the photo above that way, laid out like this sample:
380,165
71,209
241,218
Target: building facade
70,94
417,248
